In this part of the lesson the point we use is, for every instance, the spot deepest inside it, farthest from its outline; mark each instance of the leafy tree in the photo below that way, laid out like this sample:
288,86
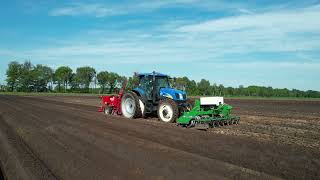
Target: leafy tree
120,82
103,79
240,90
204,87
74,83
84,76
214,89
3,88
25,77
190,86
112,81
41,76
181,83
220,90
133,82
229,91
13,74
63,75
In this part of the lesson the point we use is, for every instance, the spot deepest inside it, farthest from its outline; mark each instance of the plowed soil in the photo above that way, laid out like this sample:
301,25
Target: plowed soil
66,138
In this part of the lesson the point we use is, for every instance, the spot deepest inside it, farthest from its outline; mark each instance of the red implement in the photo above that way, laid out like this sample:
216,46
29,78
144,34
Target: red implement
112,104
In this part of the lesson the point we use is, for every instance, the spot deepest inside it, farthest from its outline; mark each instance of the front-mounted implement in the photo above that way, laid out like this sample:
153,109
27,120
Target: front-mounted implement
208,112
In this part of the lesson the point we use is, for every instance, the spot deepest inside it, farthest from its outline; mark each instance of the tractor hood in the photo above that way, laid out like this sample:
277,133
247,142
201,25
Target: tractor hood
174,94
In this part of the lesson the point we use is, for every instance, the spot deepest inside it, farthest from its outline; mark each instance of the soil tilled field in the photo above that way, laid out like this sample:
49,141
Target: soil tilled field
66,138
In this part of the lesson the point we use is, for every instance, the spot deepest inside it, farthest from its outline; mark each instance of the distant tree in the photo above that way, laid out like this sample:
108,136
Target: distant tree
62,76
13,75
192,88
312,94
220,90
112,81
120,82
103,79
132,82
229,91
240,91
190,85
41,76
85,76
214,89
181,83
204,87
74,83
25,77
3,88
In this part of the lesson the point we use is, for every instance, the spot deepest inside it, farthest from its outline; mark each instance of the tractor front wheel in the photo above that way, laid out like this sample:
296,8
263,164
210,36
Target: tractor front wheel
168,111
190,104
130,106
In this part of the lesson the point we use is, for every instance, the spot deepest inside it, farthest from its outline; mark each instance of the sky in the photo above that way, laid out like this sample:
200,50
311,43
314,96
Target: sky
266,43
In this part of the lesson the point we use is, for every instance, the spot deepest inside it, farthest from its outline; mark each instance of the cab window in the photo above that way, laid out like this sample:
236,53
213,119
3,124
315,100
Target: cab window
145,82
162,82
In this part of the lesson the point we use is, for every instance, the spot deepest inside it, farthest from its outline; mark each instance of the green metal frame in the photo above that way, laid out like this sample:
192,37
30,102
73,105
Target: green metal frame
198,115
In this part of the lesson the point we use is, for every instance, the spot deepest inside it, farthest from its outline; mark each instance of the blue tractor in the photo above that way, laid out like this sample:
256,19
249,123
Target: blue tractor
154,94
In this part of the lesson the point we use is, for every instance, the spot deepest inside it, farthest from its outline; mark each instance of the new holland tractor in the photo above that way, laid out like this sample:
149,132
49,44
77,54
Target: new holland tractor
155,95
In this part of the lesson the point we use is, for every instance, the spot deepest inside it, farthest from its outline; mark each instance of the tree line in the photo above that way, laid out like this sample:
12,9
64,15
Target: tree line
25,77
204,88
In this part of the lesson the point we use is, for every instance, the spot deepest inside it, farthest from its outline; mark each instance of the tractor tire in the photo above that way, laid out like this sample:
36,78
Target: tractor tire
130,106
190,104
168,111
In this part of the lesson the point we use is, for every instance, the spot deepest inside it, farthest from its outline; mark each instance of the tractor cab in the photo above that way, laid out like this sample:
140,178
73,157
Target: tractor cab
156,86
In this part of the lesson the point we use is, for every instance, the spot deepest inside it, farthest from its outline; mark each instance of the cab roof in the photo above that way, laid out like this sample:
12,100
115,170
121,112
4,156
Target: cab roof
151,74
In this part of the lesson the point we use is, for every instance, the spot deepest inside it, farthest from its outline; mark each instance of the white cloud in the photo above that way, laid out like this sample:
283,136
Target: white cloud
272,65
110,9
96,10
285,21
277,31
6,52
245,11
210,41
105,9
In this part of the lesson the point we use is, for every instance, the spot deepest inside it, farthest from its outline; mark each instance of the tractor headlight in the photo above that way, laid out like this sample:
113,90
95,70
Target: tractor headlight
179,96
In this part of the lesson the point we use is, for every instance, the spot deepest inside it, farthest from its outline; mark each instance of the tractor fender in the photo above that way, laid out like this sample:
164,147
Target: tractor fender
142,96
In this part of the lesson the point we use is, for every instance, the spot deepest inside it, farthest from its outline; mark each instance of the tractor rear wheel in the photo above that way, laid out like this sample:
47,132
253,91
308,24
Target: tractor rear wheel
130,106
168,111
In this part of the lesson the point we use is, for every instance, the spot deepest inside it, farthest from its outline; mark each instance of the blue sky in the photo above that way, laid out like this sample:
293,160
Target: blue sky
268,43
